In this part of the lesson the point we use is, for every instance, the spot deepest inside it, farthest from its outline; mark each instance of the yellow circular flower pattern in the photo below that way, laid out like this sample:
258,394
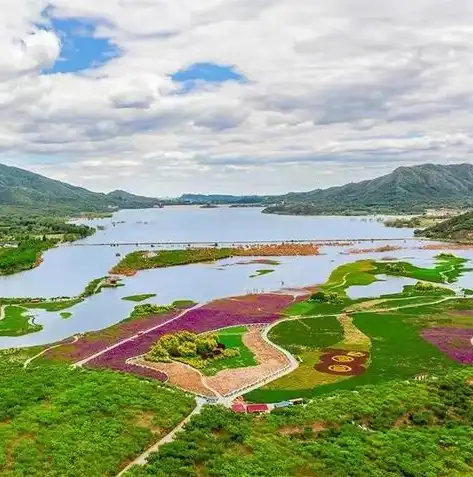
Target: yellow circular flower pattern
343,359
340,368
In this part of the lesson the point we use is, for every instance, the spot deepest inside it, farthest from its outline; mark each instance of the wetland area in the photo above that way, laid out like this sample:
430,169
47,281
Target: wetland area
259,312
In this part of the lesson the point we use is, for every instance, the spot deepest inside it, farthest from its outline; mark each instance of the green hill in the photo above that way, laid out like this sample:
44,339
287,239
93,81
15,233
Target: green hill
457,228
406,189
25,189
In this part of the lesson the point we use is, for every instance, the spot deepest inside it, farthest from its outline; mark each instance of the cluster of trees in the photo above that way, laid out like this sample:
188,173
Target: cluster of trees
193,349
33,234
407,222
57,421
327,297
397,429
395,268
147,309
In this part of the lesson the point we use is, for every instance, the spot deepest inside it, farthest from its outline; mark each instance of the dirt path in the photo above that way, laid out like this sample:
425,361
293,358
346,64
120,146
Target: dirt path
2,312
270,362
181,375
29,360
141,460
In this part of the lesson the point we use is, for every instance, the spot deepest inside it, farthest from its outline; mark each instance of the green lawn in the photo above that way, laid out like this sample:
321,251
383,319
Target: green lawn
138,298
231,338
309,333
53,305
17,322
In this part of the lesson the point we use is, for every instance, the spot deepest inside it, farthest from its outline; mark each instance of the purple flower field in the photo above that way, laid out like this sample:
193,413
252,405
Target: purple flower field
454,342
231,312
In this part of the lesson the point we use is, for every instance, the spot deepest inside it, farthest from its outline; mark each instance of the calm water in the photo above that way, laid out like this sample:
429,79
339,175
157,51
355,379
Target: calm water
66,270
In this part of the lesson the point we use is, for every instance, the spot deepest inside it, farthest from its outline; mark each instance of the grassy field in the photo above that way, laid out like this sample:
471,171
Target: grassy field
389,327
52,306
298,336
138,298
17,322
231,338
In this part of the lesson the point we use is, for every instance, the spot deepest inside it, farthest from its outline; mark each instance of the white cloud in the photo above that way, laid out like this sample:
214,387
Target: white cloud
337,91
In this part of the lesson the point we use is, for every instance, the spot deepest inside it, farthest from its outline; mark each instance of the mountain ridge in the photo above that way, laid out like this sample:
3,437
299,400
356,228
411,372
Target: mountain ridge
406,189
23,188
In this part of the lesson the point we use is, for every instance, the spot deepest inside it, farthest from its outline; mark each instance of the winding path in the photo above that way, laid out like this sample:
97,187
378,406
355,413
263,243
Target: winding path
29,360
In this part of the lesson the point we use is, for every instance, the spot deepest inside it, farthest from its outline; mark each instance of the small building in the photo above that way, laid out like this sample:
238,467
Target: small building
257,408
239,408
282,404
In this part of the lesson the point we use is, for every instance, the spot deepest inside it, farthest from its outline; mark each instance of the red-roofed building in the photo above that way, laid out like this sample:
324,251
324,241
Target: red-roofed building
238,407
257,408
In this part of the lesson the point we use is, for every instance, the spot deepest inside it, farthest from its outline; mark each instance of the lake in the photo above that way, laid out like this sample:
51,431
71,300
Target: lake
67,269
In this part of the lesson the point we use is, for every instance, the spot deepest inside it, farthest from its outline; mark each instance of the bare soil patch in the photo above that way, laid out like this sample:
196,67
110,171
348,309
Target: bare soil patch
294,430
270,360
180,375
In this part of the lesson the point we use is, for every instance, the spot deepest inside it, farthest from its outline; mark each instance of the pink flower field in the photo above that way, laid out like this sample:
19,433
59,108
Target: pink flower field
246,310
454,342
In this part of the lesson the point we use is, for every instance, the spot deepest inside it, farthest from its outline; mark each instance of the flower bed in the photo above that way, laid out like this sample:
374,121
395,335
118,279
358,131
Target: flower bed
454,342
246,310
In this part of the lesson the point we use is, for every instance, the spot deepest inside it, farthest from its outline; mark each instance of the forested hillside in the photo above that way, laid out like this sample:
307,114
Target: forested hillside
406,189
23,188
457,228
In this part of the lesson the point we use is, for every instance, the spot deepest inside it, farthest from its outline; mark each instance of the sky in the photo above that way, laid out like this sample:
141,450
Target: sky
163,97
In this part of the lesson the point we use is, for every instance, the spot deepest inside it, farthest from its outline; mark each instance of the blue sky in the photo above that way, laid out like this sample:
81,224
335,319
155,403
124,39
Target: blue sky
80,50
198,73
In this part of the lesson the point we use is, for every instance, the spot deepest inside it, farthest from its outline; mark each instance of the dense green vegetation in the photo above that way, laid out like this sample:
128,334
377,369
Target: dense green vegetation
459,228
147,309
406,190
168,258
31,234
56,421
138,298
397,429
196,350
25,256
17,321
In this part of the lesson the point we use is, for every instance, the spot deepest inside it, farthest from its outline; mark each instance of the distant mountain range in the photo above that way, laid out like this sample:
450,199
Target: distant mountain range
26,189
406,189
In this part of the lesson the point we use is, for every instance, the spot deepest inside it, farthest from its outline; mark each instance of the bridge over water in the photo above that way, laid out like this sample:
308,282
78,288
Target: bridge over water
184,244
